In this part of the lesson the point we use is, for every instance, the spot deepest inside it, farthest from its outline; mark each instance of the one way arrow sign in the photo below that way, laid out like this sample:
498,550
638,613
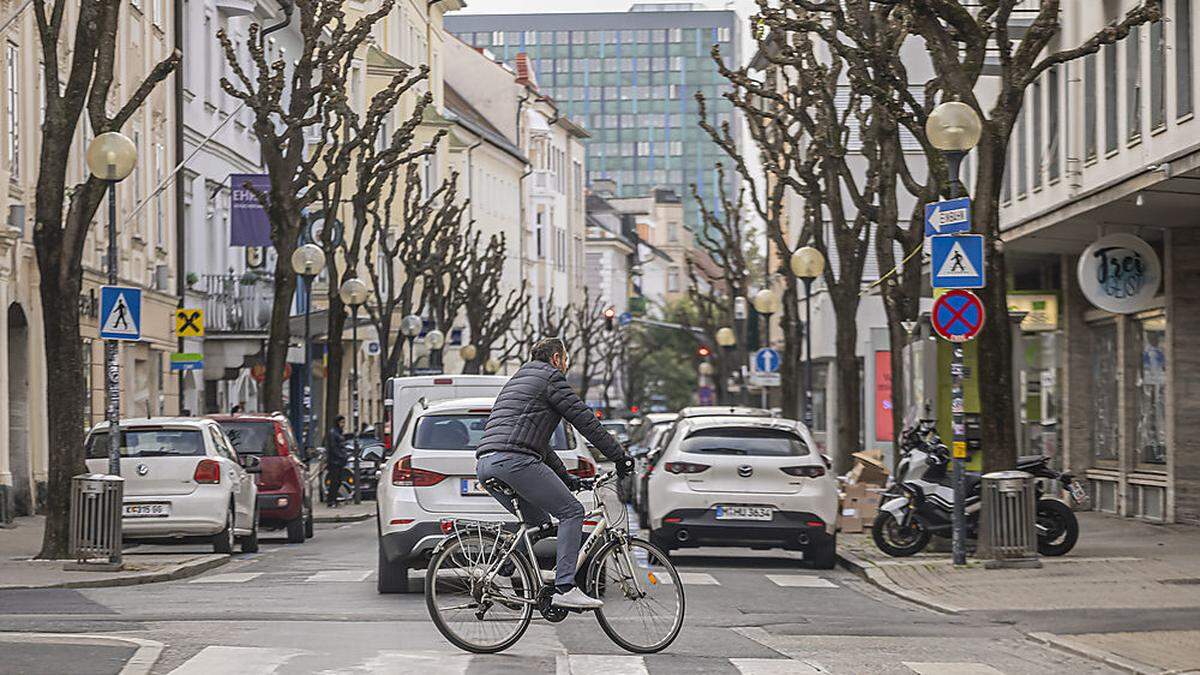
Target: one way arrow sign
948,217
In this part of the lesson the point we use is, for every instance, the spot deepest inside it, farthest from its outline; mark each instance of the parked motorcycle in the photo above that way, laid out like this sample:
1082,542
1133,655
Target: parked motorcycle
920,503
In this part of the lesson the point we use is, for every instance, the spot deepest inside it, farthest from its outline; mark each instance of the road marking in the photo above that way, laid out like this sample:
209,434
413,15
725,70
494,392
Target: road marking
952,668
589,664
235,660
230,578
691,579
424,662
339,575
773,666
800,581
140,663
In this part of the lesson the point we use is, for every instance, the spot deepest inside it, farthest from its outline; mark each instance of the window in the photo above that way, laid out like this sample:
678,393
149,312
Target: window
1158,75
1052,123
1089,107
1133,84
1022,160
672,231
673,280
1034,115
13,74
149,442
160,236
1151,396
1183,57
744,441
464,431
159,13
1110,98
1104,420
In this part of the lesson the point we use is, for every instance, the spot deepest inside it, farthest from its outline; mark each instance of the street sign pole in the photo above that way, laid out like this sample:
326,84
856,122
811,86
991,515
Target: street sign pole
958,455
112,372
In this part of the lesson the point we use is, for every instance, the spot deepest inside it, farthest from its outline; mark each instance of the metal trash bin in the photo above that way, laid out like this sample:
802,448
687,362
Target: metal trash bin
1008,521
96,510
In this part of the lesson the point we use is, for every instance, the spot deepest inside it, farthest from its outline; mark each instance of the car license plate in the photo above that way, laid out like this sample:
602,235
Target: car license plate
1078,491
147,510
470,487
744,513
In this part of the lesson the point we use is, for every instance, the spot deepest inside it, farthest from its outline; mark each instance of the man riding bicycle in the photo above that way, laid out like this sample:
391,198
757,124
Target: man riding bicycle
515,449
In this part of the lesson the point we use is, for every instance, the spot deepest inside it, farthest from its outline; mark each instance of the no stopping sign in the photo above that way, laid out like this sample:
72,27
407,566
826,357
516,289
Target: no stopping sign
958,316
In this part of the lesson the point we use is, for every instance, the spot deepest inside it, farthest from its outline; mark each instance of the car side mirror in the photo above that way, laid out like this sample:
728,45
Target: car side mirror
827,460
251,463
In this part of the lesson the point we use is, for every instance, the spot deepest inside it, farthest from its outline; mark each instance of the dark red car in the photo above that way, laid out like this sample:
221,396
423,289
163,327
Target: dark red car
284,497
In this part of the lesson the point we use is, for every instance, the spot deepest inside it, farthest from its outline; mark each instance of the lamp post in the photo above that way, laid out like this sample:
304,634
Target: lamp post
740,313
766,303
468,352
727,340
410,328
807,264
353,292
111,157
954,128
307,261
435,340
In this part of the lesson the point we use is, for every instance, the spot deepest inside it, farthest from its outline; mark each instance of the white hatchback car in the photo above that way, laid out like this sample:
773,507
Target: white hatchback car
431,476
183,480
744,481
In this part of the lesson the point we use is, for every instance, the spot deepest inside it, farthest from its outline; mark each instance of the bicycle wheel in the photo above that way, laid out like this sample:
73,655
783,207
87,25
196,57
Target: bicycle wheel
643,596
471,616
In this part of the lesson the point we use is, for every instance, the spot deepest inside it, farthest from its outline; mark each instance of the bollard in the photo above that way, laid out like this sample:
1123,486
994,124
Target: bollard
1008,520
96,511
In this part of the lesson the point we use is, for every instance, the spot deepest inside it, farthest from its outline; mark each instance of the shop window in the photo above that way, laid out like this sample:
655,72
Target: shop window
820,378
1151,392
1105,384
1104,495
1147,501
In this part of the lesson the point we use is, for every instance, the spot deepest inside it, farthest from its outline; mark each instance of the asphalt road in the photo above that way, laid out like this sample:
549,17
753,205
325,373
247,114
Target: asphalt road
313,608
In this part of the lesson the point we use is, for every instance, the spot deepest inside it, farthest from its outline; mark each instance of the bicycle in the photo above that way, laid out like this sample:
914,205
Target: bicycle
486,611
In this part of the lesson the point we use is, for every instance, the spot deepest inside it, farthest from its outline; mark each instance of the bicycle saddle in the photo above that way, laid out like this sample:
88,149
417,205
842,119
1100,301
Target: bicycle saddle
499,486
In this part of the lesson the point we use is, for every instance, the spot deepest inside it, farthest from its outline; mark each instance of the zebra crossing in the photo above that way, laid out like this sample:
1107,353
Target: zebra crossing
806,581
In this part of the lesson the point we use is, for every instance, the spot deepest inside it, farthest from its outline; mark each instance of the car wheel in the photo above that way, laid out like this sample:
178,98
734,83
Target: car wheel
392,577
222,542
308,521
250,541
823,555
295,530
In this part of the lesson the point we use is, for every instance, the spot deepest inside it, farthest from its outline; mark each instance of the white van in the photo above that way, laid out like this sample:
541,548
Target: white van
405,392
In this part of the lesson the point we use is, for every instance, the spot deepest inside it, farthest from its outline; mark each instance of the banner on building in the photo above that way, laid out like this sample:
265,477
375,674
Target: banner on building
248,221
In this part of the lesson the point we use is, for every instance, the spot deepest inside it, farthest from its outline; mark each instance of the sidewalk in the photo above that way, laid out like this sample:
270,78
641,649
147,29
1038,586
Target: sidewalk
142,565
346,512
1118,563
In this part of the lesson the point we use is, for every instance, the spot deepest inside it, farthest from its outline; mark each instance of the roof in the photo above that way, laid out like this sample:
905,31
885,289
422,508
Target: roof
158,421
469,117
460,404
659,418
246,417
743,421
724,410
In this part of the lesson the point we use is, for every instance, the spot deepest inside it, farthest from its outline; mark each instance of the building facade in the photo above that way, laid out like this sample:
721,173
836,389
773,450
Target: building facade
630,78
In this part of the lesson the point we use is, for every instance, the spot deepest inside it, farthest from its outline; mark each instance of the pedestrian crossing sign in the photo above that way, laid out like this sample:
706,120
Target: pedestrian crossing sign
120,313
957,261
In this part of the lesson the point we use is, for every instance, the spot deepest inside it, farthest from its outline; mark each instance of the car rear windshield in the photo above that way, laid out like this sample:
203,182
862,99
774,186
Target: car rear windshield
744,441
463,432
252,438
149,443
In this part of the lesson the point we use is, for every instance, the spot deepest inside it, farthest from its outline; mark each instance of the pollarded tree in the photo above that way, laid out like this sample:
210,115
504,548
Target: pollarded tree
79,44
490,311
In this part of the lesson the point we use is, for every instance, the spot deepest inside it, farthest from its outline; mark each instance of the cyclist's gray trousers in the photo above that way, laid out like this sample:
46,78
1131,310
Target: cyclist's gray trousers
540,494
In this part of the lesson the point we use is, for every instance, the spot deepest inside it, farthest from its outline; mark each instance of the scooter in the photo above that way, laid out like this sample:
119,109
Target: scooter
920,503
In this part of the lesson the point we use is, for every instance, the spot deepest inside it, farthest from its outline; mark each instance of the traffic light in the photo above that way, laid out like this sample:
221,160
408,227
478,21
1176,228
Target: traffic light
633,409
609,315
704,352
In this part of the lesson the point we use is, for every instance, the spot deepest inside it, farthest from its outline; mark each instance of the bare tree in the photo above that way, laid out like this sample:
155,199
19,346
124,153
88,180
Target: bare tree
490,311
587,321
299,107
78,67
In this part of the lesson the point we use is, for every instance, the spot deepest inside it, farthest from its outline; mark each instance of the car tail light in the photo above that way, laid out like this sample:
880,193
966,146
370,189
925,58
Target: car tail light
685,467
387,433
208,472
404,475
672,520
585,469
815,523
281,446
804,471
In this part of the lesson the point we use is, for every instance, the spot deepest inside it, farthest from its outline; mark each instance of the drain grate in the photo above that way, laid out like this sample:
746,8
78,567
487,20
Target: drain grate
1187,581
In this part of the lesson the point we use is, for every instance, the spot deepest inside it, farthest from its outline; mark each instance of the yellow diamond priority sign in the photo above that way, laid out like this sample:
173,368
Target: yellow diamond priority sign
189,322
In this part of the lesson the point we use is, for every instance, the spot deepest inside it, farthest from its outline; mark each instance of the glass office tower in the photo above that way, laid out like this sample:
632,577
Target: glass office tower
630,78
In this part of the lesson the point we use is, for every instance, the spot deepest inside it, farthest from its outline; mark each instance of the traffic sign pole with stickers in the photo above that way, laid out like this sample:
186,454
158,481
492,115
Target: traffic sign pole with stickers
120,319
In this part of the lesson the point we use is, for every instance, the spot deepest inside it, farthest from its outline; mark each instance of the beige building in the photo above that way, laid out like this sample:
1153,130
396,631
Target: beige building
147,249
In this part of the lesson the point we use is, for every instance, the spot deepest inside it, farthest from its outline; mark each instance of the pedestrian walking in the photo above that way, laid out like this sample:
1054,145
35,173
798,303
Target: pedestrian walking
335,459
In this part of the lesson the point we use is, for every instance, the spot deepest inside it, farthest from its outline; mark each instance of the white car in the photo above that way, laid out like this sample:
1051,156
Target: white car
744,481
183,480
431,476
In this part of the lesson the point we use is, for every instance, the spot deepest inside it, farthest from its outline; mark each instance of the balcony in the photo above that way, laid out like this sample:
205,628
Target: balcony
236,303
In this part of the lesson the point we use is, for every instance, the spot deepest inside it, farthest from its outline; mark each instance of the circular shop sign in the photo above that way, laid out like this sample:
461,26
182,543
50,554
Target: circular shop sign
958,315
1119,273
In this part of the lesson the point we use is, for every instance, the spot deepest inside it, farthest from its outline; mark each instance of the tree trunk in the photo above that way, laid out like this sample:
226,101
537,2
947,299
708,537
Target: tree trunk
335,358
849,383
279,331
994,344
791,368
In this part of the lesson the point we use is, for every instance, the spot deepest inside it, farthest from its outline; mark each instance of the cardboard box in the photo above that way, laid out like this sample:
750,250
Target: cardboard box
849,521
869,469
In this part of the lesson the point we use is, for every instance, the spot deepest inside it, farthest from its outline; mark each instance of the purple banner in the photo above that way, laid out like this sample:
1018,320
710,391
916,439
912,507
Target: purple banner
248,221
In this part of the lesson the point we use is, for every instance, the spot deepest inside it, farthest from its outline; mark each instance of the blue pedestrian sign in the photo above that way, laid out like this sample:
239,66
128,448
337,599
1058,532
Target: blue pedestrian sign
120,313
957,261
948,217
766,360
625,319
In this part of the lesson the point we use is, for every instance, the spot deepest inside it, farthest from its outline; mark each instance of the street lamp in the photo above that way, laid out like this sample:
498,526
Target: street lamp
954,128
111,157
410,328
468,352
307,261
726,340
807,264
353,292
491,366
435,340
766,303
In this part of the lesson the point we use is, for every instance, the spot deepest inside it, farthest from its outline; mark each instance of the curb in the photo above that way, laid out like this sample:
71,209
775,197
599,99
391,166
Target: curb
183,570
347,518
1070,646
877,577
140,663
